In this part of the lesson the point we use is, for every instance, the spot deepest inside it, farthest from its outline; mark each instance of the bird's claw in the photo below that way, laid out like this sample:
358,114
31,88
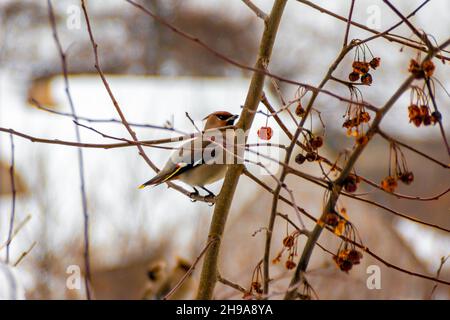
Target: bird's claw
194,194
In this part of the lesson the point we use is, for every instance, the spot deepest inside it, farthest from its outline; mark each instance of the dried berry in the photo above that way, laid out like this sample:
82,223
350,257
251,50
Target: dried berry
265,133
415,115
413,111
424,110
389,184
331,219
316,142
300,159
428,68
375,63
290,264
299,111
361,67
362,139
288,241
427,120
353,76
364,117
351,183
436,117
354,256
407,177
312,156
366,79
415,69
256,285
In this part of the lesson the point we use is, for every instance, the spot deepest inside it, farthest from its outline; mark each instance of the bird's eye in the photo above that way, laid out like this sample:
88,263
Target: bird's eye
222,117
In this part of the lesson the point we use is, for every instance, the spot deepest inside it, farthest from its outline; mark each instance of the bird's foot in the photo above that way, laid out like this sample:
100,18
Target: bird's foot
194,194
210,195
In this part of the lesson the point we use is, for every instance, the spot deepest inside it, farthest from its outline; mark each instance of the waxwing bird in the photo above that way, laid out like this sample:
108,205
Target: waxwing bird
188,164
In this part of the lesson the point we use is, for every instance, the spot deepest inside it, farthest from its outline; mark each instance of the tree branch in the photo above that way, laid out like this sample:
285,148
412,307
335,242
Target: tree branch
209,272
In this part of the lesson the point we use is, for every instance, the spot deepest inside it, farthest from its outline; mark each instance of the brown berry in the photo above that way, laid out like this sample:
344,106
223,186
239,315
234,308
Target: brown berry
436,117
316,142
389,184
353,76
311,156
362,140
428,68
427,120
351,183
300,159
354,256
366,79
364,117
290,264
288,241
299,111
424,110
375,62
346,265
415,69
331,219
407,177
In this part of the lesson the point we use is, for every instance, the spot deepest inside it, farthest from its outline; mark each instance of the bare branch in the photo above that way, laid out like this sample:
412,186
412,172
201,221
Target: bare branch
259,13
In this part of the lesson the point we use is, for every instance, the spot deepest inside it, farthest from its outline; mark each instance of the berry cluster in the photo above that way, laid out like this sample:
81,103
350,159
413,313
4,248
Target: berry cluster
255,285
347,258
338,222
422,115
289,245
419,112
312,144
356,117
399,171
361,66
421,71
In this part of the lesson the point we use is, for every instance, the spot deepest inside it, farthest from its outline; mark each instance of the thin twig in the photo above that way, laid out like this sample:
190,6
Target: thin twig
13,200
86,254
391,139
441,126
231,284
259,13
438,272
189,272
347,30
24,254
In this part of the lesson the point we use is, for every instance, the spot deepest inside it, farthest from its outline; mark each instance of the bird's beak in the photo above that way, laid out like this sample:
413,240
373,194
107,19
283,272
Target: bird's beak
233,117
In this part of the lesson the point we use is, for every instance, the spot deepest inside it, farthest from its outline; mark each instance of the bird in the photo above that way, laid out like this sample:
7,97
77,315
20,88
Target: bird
191,167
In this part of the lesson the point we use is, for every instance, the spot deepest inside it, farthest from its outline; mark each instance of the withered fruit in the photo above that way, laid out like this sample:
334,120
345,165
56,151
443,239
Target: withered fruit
366,79
300,159
407,177
353,76
375,62
316,142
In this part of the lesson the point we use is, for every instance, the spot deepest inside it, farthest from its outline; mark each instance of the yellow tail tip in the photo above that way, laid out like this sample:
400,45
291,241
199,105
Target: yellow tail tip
142,186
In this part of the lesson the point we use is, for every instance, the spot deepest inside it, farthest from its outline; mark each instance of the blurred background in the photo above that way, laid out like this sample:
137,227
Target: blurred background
156,77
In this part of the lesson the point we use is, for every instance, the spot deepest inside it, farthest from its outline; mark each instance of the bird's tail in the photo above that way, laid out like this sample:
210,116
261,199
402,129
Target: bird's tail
165,175
154,181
